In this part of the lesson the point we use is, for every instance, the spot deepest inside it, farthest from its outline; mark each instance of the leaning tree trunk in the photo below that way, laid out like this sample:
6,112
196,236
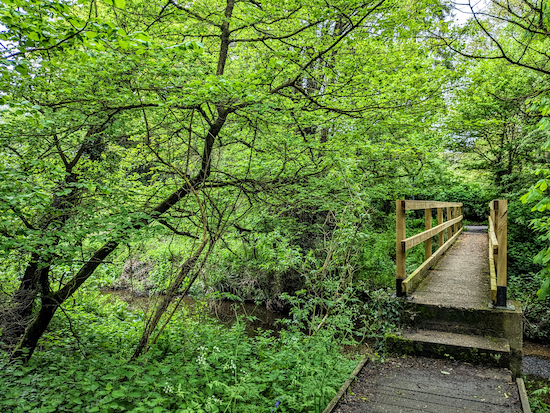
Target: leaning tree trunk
36,329
161,309
17,311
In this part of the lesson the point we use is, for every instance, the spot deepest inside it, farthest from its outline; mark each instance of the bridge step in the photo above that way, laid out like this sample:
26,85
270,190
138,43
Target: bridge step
443,344
478,321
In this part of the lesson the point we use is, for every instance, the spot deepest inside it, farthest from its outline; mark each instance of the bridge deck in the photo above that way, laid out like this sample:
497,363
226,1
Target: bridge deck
461,278
428,385
458,283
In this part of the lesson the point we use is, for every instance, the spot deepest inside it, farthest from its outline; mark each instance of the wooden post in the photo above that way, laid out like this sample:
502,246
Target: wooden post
456,214
449,217
501,230
400,254
427,225
440,236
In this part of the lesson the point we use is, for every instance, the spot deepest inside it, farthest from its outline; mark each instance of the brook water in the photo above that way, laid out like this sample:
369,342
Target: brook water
536,356
225,312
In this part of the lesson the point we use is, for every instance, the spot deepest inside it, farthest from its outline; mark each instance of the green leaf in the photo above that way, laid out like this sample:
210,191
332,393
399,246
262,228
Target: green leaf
117,394
539,257
123,44
531,196
91,35
544,289
120,4
22,69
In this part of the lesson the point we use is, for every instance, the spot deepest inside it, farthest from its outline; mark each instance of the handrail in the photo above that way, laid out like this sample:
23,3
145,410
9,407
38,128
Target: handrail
414,204
410,242
452,223
498,231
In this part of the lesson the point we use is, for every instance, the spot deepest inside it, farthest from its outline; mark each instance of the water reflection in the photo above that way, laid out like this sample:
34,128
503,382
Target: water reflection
225,312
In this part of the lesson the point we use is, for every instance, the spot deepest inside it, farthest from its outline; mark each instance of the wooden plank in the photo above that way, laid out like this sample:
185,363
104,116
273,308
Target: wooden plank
439,222
502,239
400,230
410,242
492,236
523,396
345,386
427,225
416,277
409,204
502,219
449,217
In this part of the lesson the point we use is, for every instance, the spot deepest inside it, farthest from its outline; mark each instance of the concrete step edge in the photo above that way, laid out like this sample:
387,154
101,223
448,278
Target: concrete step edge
437,344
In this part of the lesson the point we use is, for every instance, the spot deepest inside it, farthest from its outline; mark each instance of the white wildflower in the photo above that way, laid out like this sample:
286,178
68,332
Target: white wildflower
201,360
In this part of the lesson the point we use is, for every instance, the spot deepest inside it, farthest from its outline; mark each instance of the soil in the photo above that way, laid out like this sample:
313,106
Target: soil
429,385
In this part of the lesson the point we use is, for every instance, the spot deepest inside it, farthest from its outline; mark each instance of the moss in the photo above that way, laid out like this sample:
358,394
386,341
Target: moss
402,346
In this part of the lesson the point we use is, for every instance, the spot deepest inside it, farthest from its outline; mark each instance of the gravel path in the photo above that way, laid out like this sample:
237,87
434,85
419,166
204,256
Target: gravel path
534,366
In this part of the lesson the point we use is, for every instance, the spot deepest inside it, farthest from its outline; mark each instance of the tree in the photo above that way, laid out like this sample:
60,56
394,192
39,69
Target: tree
162,115
490,120
515,33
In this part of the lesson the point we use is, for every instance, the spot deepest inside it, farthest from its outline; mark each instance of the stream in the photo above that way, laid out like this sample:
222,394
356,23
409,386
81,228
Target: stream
536,356
225,312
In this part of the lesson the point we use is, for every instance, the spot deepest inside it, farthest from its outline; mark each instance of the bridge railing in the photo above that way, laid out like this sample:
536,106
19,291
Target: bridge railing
451,225
498,233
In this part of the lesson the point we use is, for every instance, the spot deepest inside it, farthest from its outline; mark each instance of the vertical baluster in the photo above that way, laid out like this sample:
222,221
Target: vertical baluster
427,225
501,230
449,217
439,222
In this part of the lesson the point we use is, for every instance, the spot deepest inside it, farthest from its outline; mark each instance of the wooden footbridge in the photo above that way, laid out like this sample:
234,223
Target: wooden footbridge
458,311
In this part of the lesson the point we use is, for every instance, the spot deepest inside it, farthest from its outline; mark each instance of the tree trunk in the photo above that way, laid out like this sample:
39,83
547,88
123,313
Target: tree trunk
161,309
36,329
50,302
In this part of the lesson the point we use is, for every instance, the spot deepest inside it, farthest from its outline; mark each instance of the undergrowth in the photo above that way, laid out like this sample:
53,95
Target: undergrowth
539,395
195,366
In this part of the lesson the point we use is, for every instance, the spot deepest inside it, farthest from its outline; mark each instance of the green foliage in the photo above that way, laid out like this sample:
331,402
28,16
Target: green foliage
196,366
539,394
538,195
